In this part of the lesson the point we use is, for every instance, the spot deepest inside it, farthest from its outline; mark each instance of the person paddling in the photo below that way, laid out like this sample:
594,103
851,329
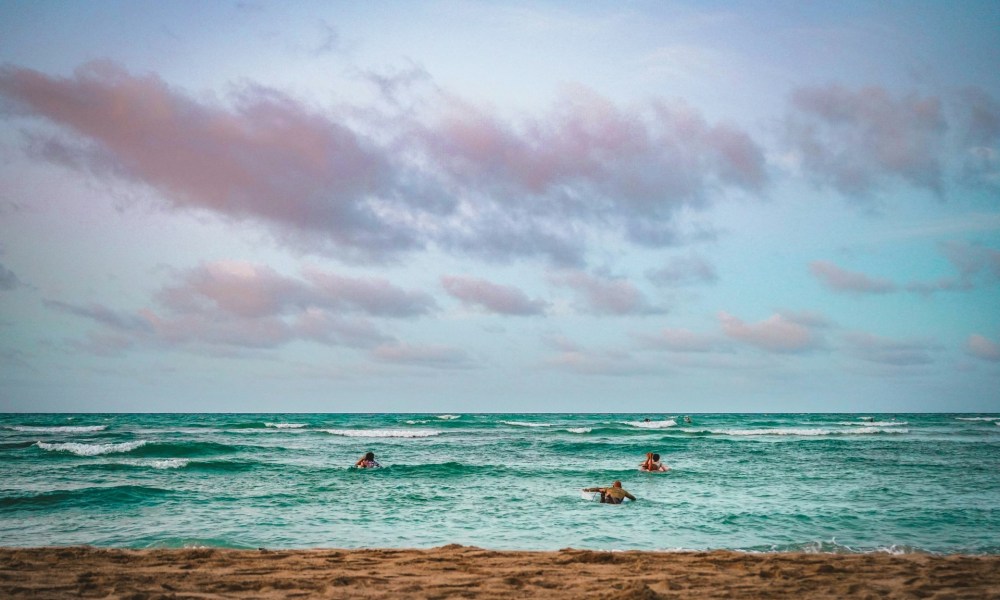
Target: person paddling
367,461
612,495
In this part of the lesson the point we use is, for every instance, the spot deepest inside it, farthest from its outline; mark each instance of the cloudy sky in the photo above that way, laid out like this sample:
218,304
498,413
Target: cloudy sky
666,206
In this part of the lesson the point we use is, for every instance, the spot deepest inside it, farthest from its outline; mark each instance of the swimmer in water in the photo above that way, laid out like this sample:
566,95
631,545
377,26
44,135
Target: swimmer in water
612,495
652,463
367,461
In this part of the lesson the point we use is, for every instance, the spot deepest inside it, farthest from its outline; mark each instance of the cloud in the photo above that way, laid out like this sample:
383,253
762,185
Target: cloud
781,333
841,280
978,116
588,160
252,290
683,270
603,294
581,361
858,141
983,347
265,158
500,299
245,305
434,356
898,353
374,183
681,340
8,280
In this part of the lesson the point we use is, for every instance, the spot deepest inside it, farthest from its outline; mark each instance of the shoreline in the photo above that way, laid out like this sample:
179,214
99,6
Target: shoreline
471,572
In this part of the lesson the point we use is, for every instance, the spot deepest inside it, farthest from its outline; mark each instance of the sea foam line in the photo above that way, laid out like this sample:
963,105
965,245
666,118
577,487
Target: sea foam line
802,432
525,424
91,449
651,424
58,428
285,425
384,433
449,417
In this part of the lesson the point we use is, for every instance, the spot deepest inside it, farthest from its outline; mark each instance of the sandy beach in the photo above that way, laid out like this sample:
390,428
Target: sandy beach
468,572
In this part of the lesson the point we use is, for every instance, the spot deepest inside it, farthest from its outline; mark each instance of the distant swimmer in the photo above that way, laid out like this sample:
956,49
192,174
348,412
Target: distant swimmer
367,461
652,463
687,419
612,495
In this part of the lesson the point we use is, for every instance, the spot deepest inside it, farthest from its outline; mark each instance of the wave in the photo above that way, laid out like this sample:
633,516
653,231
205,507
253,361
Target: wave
97,496
580,429
285,425
802,432
525,424
978,419
449,417
873,423
57,428
835,547
384,433
15,445
141,448
81,449
651,424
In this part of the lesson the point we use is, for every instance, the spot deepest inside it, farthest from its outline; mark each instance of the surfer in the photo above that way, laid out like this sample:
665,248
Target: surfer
367,461
612,495
652,463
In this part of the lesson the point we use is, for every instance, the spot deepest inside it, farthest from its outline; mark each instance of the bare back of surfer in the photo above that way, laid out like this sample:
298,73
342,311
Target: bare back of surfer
612,495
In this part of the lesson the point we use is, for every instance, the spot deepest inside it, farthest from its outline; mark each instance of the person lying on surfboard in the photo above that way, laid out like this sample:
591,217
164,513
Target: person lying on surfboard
652,463
612,495
367,461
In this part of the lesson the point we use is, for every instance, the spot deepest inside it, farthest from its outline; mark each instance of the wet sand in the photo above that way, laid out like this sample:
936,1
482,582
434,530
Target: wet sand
467,572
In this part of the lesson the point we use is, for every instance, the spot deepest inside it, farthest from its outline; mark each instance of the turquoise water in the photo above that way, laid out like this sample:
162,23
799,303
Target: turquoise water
815,482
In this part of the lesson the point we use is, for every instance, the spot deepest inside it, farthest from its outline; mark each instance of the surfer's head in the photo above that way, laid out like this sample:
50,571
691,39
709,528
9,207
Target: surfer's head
369,456
616,484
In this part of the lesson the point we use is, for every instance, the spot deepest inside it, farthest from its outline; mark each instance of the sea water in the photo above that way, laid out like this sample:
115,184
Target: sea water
755,482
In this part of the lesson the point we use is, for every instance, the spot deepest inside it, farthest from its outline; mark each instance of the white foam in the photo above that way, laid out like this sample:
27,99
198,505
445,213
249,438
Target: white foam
525,424
384,433
58,428
873,423
412,422
285,425
802,432
449,417
977,419
579,430
91,449
651,424
170,463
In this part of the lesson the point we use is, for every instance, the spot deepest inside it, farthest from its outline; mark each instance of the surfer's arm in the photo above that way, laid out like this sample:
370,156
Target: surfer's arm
629,496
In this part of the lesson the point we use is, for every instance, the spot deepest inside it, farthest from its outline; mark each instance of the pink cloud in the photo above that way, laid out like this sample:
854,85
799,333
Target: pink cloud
899,353
683,270
500,299
435,356
841,280
267,157
857,140
604,295
779,333
246,305
368,183
982,347
681,340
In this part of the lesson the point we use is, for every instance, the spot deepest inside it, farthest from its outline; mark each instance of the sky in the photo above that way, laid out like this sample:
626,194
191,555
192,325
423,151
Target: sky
663,207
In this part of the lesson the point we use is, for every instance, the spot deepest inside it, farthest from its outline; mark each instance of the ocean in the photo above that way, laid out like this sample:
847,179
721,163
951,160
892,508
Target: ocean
845,483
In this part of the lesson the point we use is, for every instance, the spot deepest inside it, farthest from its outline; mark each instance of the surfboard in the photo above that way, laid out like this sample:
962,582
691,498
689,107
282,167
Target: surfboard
596,496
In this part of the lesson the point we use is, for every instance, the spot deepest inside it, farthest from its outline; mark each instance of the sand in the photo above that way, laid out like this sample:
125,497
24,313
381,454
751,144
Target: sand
467,572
